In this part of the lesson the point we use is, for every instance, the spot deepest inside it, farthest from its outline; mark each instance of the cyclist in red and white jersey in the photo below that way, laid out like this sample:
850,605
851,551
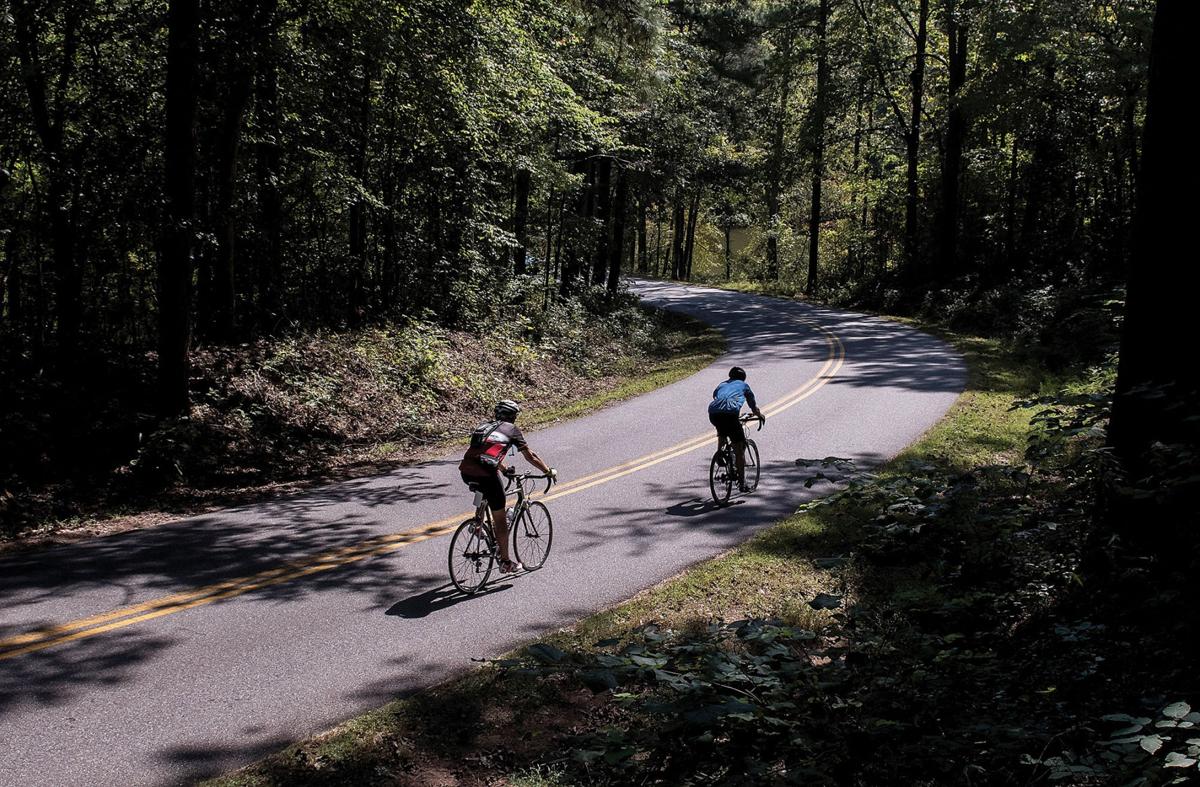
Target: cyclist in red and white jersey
483,463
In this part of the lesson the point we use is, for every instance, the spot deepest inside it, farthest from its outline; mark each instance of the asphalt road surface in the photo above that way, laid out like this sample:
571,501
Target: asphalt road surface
187,650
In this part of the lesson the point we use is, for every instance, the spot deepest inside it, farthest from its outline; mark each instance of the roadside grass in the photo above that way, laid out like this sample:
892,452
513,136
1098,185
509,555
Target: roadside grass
513,722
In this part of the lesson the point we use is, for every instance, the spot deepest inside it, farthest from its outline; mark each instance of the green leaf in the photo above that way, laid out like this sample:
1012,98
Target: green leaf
1177,710
1177,760
710,713
547,654
1121,733
599,680
826,601
1151,743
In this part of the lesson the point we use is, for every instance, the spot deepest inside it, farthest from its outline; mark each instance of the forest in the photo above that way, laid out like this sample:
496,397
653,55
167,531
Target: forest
238,236
182,176
193,193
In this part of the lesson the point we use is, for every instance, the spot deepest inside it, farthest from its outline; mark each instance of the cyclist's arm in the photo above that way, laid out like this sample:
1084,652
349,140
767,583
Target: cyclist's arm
750,401
534,459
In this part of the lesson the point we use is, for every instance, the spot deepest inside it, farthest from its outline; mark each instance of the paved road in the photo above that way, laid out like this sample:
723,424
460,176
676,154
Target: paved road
190,649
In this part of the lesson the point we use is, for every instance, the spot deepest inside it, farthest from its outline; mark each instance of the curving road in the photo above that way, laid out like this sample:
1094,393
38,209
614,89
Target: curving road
164,656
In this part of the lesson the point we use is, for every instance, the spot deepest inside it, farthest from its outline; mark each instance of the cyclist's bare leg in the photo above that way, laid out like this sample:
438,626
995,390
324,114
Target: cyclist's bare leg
500,528
739,449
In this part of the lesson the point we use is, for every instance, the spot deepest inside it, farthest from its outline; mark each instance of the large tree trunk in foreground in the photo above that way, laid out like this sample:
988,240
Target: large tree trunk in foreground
1157,391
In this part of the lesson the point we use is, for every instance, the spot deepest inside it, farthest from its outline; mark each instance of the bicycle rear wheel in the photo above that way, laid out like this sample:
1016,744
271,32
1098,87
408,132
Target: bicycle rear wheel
720,476
532,536
471,557
753,470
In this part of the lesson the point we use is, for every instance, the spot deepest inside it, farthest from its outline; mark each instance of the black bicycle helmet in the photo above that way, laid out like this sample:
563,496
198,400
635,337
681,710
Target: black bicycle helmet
506,411
737,373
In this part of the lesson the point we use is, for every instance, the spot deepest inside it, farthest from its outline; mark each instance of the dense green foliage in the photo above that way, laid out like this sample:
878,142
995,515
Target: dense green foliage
358,161
338,164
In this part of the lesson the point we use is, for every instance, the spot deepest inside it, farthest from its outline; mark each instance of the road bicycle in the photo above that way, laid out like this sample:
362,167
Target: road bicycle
722,471
473,549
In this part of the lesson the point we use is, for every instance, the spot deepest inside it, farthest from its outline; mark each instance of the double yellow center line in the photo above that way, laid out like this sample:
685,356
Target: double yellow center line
50,636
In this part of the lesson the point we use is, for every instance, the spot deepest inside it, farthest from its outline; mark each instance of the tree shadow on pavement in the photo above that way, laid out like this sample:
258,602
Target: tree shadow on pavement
58,675
699,507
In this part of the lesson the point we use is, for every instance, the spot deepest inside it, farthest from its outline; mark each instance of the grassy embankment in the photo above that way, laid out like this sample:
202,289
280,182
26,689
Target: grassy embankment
273,416
542,725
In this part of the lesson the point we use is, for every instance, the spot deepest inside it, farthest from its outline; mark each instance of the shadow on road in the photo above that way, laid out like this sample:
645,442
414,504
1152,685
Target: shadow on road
698,507
441,597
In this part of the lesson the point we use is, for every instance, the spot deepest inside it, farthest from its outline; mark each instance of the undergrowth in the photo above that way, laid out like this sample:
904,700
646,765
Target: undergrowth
299,405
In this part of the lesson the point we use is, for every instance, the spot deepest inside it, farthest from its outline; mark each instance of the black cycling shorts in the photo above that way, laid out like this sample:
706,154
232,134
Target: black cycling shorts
728,425
491,486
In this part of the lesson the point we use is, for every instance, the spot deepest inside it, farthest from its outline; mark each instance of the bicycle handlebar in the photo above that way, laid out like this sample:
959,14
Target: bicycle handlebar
523,477
748,417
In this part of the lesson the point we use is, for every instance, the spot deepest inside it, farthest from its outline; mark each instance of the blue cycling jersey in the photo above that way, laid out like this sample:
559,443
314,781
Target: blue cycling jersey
729,397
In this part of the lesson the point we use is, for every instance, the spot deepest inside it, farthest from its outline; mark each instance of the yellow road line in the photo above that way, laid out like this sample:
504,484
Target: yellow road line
46,637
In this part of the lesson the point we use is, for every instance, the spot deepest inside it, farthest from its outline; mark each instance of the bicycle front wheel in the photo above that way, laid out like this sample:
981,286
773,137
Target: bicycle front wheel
752,467
532,536
720,477
471,557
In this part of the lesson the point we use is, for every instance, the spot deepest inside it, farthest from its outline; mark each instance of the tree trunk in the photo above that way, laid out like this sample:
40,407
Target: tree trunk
677,261
270,266
226,229
11,305
49,117
1156,391
571,253
728,228
643,261
1156,305
175,258
852,248
820,107
957,35
912,139
658,236
558,240
604,216
689,250
1010,208
521,219
617,243
357,230
775,165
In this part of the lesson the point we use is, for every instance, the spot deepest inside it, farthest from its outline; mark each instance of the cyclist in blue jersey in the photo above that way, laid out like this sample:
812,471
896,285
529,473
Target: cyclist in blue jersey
724,412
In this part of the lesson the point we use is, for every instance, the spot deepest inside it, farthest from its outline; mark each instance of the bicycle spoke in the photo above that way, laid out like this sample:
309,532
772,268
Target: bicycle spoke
471,557
532,535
